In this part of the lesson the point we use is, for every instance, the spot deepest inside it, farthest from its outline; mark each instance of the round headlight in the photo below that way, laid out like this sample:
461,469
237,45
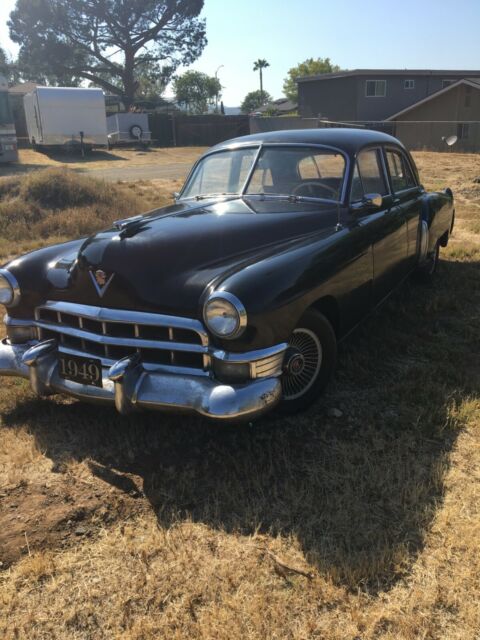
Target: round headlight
225,315
9,289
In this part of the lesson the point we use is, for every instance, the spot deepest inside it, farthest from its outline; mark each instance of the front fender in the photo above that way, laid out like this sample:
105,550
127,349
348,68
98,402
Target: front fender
277,290
39,271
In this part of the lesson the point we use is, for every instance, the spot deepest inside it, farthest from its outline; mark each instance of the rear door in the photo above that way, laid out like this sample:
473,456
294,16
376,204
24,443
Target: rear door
407,196
385,227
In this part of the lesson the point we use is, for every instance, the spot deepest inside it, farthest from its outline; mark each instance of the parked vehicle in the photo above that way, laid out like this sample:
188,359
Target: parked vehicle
128,128
8,135
232,300
66,117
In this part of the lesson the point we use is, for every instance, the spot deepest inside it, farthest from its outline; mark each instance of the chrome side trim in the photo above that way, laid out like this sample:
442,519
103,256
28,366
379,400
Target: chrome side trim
249,356
264,363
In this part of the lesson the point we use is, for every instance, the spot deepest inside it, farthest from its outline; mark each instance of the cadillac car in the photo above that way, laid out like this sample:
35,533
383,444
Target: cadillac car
230,301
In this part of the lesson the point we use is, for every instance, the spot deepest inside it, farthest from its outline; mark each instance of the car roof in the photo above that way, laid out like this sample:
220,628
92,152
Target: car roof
347,139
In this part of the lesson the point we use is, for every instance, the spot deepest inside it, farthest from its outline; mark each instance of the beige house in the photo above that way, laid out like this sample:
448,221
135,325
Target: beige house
451,111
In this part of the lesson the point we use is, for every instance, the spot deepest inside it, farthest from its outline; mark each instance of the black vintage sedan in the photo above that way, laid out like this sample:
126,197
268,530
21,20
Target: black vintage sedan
232,300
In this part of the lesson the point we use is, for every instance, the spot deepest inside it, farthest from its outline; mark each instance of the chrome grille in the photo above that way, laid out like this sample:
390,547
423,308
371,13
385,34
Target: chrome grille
163,342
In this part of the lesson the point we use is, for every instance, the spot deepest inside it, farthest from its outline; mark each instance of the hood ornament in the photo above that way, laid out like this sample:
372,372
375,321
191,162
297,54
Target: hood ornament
101,281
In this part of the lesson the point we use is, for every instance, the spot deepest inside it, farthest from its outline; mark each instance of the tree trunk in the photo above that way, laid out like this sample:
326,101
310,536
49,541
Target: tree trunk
129,84
261,84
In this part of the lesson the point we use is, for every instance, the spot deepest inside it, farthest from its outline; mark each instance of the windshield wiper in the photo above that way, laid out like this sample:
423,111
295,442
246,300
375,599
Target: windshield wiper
287,197
206,196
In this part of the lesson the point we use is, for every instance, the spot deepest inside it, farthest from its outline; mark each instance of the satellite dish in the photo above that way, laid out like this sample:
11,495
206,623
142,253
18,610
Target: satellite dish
450,140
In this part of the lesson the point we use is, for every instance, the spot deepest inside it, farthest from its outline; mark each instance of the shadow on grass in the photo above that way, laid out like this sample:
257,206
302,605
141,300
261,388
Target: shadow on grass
359,492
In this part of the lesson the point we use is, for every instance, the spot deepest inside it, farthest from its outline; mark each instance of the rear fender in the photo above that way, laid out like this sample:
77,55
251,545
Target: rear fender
436,219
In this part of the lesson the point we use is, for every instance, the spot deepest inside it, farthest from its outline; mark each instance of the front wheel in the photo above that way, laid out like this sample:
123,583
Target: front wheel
309,363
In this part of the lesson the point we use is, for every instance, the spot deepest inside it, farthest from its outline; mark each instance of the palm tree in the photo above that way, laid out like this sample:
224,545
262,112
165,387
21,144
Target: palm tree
260,65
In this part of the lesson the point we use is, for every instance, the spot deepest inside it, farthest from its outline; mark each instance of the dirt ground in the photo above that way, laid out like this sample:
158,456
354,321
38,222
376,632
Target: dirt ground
363,523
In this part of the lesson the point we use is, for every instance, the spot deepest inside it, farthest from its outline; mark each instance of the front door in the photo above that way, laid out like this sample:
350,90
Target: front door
385,226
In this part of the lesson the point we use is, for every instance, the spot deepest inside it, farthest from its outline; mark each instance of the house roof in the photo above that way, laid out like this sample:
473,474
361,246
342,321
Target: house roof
391,72
472,82
283,105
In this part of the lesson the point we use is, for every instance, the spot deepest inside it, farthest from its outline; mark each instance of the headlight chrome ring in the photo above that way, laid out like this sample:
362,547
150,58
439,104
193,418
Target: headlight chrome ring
9,289
224,315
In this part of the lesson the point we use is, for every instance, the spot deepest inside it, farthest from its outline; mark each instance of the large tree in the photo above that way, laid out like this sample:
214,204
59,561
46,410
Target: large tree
309,67
254,100
196,91
8,68
111,43
4,64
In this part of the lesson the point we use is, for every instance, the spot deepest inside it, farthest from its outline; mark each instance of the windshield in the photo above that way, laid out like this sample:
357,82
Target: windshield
221,173
303,172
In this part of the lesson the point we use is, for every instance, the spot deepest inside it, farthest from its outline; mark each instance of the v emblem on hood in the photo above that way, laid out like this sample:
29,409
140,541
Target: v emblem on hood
101,281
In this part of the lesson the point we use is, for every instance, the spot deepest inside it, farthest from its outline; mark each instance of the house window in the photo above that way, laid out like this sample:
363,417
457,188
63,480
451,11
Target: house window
375,88
463,129
409,84
447,83
468,96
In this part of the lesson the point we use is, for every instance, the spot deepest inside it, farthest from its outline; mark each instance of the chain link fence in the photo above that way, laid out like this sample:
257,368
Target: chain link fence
415,135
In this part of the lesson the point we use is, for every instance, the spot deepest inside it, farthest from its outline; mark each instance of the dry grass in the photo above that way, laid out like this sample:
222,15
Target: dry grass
365,526
117,157
53,205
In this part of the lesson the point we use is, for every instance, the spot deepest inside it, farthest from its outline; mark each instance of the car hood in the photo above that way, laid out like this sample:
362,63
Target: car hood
164,261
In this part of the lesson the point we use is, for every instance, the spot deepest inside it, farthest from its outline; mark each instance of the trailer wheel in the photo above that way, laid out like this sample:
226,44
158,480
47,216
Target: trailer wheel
136,132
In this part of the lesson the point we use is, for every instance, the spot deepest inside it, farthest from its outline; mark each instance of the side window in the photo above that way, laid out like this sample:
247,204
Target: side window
400,172
368,175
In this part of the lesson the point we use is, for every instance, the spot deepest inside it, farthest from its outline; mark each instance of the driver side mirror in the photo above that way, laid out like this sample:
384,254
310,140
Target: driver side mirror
175,195
369,201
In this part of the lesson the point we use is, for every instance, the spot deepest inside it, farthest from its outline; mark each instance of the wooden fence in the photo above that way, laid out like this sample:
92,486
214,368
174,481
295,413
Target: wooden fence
174,130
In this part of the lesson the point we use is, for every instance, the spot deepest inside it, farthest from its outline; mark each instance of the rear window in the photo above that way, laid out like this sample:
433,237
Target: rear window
368,176
400,172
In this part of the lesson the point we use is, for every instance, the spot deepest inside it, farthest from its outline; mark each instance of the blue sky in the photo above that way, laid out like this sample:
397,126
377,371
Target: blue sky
441,34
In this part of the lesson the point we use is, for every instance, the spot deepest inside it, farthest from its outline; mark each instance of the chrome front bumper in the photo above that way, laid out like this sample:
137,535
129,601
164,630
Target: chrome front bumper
130,387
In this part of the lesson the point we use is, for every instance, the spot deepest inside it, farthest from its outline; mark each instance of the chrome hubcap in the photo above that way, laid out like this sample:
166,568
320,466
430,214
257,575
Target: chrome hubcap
302,365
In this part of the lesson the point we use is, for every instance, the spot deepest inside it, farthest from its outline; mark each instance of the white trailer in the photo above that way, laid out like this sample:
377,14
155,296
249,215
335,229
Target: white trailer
66,116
